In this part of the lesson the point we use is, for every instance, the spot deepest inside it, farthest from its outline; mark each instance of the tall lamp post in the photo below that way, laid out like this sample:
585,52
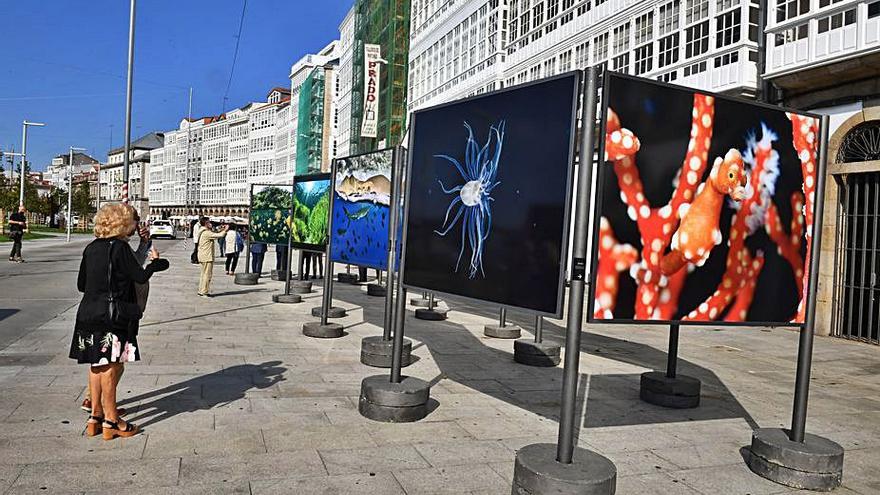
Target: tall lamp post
70,187
24,127
128,91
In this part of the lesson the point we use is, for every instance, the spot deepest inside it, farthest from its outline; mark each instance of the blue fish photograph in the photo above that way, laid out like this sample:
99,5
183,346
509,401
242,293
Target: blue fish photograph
361,203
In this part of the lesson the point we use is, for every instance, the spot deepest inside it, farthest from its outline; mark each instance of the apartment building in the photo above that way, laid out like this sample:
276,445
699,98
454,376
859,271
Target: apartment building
111,174
342,105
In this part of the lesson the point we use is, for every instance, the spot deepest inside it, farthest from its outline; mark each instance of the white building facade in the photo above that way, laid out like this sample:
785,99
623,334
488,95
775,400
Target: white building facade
342,100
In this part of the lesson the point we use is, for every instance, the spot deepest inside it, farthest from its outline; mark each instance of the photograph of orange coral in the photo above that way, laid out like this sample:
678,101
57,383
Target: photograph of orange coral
704,210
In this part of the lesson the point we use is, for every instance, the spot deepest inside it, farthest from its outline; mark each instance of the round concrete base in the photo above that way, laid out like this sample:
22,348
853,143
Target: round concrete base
681,392
279,276
505,332
531,353
435,314
376,352
246,278
376,290
815,464
300,286
422,303
388,402
537,472
328,331
287,298
333,312
347,278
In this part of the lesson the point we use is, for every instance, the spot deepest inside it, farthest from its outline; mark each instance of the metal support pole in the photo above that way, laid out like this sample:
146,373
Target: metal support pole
502,318
289,245
394,209
69,190
805,344
672,352
566,440
431,301
328,271
21,170
400,309
128,90
539,329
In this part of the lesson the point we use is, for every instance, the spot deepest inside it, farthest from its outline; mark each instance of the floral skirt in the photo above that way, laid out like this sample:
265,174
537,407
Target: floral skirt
101,347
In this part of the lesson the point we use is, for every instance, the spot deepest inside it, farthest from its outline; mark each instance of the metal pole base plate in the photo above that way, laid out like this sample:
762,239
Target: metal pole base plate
287,298
332,312
815,464
347,278
681,392
376,352
531,353
435,314
246,278
328,331
376,290
422,303
388,402
279,276
505,332
300,287
537,472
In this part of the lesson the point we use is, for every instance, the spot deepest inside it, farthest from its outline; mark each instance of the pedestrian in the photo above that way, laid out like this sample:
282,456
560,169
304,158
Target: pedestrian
221,243
142,291
234,244
258,252
280,259
17,228
318,265
105,332
205,253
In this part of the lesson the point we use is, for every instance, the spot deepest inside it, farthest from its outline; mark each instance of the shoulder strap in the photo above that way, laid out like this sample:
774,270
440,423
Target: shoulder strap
110,269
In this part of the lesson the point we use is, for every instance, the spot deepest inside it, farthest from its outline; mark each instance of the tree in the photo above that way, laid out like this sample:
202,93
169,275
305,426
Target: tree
82,200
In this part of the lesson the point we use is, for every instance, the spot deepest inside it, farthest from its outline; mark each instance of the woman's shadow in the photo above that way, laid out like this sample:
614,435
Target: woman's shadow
204,392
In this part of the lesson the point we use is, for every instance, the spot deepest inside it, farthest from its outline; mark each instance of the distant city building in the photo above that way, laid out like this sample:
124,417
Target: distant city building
111,173
57,172
342,113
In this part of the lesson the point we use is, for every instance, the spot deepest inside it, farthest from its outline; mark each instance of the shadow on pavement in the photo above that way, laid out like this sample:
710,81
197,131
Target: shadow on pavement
613,399
203,392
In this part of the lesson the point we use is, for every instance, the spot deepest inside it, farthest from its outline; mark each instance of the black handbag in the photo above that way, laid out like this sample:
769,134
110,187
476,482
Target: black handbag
119,313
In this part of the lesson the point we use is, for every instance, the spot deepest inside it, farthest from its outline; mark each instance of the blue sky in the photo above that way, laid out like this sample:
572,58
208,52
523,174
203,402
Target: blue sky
64,62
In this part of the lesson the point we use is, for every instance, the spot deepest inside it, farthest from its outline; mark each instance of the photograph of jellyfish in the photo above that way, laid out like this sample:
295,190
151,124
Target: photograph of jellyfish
361,202
311,212
704,209
489,189
270,213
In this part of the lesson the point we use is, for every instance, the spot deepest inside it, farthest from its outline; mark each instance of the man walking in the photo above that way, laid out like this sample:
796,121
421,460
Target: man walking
17,226
205,245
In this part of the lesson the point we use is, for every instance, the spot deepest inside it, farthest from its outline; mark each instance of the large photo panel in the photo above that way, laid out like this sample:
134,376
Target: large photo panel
362,189
311,212
705,208
270,213
489,186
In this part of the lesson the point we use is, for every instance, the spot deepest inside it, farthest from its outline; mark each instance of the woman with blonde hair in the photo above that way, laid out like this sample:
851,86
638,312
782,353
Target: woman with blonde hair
105,334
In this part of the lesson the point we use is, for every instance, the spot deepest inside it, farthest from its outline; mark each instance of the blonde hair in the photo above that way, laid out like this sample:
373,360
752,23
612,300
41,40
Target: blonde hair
114,220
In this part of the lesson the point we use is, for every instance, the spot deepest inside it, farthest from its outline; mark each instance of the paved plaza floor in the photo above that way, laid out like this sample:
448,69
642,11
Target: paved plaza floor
234,399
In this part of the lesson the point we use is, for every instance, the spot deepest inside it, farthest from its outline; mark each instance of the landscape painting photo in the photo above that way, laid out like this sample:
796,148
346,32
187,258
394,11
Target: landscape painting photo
270,213
488,201
311,212
362,189
705,208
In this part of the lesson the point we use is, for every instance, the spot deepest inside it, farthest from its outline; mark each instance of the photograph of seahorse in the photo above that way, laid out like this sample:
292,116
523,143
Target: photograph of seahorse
704,208
489,193
361,205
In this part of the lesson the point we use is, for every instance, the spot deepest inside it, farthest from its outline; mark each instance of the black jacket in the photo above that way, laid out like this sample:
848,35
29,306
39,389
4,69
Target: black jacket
93,282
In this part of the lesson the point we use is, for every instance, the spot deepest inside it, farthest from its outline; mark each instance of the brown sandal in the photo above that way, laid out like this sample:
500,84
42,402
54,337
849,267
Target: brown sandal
93,429
113,431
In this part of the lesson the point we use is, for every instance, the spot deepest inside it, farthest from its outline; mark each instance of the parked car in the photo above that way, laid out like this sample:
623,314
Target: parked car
161,228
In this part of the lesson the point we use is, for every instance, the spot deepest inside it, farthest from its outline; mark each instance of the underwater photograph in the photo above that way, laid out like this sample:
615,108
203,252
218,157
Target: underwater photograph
311,212
704,208
361,202
270,212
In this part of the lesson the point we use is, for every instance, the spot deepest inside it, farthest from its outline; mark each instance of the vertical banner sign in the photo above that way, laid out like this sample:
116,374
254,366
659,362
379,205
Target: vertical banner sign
372,70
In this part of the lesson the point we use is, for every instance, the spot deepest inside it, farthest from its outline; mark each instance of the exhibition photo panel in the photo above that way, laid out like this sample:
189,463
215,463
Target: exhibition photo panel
270,213
362,191
488,201
311,212
704,207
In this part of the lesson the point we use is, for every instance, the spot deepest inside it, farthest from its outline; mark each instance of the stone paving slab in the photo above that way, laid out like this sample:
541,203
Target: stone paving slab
234,399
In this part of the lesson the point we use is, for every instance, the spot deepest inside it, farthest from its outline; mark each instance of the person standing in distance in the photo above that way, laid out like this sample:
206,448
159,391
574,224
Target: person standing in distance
205,246
17,227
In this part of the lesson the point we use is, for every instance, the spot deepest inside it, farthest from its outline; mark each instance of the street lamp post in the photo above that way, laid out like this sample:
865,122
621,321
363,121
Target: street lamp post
128,91
70,187
24,126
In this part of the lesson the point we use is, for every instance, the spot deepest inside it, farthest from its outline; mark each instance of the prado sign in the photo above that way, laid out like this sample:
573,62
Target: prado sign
372,71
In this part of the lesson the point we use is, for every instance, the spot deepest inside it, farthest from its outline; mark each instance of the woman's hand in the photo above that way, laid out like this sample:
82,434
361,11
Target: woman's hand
154,253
